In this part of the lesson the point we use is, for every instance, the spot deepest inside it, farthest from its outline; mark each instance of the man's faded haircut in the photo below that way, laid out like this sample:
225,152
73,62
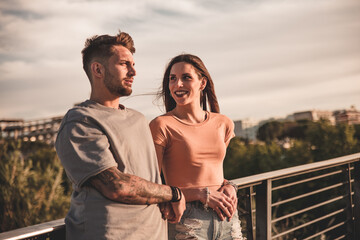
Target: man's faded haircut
100,48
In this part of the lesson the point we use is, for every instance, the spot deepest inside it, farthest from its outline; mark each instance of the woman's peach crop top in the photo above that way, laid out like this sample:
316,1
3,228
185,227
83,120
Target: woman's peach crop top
193,153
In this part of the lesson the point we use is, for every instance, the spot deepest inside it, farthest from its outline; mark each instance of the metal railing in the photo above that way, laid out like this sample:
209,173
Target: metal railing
53,230
313,201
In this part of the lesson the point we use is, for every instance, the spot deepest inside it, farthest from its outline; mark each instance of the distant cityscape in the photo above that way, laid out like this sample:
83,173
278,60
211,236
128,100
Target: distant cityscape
247,128
46,129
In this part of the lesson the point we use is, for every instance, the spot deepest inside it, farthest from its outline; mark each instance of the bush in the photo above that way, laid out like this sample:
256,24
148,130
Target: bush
33,186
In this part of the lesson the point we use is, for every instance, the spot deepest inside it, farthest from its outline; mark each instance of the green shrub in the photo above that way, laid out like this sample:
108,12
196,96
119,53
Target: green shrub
33,187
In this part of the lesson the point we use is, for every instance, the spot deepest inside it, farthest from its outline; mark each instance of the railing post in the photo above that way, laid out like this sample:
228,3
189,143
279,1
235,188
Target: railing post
249,218
349,202
263,210
357,200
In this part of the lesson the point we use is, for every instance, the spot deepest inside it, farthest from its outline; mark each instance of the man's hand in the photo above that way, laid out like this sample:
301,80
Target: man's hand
166,210
173,211
178,209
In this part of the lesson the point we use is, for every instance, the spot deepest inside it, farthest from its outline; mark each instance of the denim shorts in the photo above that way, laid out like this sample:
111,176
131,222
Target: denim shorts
204,224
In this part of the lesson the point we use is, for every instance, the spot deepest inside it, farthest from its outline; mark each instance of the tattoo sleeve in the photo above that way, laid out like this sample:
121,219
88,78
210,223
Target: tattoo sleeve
126,188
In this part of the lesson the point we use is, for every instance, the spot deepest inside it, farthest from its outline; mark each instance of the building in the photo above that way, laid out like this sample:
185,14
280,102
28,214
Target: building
315,115
34,130
10,128
246,129
349,116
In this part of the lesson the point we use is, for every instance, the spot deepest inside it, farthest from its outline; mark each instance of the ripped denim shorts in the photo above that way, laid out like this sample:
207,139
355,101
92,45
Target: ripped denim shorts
204,224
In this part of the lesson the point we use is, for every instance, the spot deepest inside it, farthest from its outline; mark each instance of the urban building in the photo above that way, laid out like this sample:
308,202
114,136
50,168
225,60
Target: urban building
349,116
34,130
315,115
246,129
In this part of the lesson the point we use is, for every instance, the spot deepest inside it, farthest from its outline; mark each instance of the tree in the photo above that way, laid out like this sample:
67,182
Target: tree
357,131
295,130
270,131
31,185
328,141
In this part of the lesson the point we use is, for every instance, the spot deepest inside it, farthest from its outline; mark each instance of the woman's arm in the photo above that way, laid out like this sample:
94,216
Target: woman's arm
159,153
222,204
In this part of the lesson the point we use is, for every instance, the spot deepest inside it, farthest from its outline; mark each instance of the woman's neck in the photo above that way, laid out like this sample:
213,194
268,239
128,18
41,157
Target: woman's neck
190,114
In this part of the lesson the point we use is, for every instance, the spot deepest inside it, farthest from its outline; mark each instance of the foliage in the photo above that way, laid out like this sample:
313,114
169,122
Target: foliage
357,131
33,186
288,144
310,142
270,131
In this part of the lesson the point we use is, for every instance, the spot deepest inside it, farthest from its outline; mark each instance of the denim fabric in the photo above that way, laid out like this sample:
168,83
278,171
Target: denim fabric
204,224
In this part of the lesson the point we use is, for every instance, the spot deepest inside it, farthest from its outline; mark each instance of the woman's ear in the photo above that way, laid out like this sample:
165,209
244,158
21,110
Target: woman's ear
203,83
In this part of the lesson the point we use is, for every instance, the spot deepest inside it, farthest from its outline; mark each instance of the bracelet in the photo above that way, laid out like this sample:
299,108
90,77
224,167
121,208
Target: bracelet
176,194
226,182
206,205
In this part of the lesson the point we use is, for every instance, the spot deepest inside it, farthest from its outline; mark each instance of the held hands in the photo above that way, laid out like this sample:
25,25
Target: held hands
178,209
173,211
166,210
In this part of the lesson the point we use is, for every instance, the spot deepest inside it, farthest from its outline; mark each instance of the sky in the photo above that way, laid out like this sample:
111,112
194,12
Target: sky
268,58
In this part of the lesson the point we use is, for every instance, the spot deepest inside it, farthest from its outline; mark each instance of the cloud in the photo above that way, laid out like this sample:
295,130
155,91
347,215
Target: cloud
252,49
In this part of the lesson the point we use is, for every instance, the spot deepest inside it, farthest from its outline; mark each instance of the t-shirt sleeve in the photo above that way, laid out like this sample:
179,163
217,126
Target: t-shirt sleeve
83,150
229,131
158,132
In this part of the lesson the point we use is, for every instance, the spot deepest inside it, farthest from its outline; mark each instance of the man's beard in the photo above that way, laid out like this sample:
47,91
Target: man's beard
114,88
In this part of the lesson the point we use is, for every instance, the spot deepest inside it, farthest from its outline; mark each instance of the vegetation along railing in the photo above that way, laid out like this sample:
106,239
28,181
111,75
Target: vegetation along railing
313,201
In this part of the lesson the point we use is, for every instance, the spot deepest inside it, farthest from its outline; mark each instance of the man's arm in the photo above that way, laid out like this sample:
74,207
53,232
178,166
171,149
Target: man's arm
127,188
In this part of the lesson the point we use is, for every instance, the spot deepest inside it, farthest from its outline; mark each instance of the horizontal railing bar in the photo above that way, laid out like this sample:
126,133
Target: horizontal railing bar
309,223
326,230
341,237
309,208
307,171
249,185
298,169
33,231
306,180
307,194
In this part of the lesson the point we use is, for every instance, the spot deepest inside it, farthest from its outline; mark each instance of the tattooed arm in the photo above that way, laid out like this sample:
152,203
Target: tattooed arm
126,188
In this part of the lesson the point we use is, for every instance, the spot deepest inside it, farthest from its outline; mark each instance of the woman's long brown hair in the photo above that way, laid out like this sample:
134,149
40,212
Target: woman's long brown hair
208,97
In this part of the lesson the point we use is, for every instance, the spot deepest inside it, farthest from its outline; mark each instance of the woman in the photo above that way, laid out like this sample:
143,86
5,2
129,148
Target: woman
191,144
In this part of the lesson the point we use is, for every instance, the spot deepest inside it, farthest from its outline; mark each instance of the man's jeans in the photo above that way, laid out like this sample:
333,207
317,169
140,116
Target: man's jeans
204,224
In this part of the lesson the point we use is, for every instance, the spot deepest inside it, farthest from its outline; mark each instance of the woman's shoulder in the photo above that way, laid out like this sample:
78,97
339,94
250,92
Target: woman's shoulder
161,120
220,117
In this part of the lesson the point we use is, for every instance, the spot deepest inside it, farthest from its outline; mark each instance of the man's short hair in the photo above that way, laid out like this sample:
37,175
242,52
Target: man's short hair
100,48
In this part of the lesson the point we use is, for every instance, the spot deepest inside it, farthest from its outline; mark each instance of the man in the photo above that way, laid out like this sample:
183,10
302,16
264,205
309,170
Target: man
108,154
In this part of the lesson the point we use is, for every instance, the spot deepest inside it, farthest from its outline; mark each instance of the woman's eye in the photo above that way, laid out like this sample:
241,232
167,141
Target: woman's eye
172,78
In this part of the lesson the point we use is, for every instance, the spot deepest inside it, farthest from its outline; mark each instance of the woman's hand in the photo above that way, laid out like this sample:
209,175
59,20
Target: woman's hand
221,203
229,191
